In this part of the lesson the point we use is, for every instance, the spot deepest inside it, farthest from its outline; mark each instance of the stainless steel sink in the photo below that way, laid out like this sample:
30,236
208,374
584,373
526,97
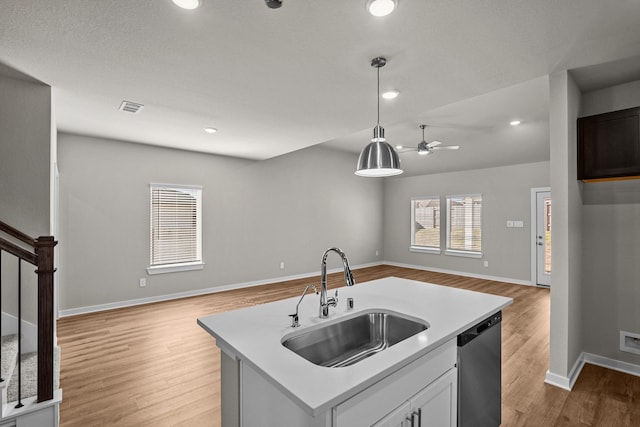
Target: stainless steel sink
354,339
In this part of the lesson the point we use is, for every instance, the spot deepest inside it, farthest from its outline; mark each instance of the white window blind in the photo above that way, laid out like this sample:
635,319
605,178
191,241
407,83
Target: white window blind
176,224
464,223
425,223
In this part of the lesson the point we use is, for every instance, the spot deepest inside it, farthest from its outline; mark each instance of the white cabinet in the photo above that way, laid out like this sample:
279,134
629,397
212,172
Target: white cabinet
396,418
417,384
433,406
426,388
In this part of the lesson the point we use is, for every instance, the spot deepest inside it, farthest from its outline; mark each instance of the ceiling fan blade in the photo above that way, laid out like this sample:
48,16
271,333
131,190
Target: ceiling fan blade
447,147
434,144
407,149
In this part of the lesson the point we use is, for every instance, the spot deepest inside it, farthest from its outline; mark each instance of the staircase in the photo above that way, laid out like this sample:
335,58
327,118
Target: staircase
29,391
32,413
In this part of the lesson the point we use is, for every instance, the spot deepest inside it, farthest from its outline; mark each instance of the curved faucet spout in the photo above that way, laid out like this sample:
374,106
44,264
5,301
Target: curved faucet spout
348,281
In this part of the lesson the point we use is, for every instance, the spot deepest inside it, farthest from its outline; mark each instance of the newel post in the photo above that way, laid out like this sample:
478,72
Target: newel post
44,252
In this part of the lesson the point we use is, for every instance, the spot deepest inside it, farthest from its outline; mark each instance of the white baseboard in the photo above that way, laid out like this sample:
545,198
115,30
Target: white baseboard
462,273
616,365
567,383
29,332
168,297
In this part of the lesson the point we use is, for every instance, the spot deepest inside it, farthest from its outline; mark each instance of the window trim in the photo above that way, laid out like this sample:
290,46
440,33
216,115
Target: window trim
174,268
197,264
461,252
425,249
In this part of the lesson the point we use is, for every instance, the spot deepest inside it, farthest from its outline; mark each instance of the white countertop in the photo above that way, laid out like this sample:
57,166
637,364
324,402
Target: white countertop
255,335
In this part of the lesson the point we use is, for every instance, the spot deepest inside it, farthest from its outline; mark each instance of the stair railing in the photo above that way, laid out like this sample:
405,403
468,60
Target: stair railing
40,254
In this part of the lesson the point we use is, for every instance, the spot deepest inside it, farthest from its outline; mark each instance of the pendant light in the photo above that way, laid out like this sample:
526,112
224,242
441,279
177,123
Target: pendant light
378,158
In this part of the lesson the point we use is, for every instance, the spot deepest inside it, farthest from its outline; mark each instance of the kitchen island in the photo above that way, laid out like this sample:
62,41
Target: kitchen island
265,383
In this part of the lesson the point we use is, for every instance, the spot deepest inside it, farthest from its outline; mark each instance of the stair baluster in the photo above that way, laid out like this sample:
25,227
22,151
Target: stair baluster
19,405
1,379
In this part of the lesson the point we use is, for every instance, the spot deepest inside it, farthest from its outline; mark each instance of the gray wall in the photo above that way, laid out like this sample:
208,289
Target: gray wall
611,245
25,138
566,225
25,145
506,196
255,215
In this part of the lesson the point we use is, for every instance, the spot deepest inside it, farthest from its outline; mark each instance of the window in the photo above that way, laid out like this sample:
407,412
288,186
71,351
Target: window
464,225
176,228
425,224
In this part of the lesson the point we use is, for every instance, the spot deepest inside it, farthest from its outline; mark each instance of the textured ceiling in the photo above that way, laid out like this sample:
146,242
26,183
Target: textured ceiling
275,81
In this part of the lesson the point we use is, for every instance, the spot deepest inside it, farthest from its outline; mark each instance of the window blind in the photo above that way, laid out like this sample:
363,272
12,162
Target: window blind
464,223
425,231
176,224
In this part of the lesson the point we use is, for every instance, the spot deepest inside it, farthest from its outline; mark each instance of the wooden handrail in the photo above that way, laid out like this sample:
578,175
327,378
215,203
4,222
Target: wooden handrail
42,258
17,234
16,250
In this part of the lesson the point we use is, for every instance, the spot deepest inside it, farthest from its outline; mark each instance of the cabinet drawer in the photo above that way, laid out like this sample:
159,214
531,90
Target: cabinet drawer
369,406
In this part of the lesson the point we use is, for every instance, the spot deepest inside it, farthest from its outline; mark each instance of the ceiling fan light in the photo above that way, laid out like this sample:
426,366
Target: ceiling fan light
381,7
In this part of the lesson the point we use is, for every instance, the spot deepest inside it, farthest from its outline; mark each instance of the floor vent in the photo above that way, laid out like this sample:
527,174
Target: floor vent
629,342
130,107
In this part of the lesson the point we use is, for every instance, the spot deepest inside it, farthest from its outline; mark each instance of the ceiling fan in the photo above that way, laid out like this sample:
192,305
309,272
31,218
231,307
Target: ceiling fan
425,147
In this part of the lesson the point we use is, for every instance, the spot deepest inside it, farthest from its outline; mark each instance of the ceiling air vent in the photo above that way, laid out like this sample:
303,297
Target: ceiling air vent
130,107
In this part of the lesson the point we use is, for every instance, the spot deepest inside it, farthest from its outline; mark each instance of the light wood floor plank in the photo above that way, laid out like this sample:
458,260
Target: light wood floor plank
152,365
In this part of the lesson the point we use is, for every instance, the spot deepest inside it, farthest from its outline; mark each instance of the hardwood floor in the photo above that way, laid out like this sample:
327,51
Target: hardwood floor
152,365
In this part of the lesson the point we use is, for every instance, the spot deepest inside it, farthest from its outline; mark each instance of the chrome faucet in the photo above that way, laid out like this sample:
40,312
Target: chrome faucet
325,302
294,317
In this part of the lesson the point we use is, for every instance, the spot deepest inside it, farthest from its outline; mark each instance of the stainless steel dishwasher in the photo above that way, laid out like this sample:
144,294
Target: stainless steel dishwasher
479,374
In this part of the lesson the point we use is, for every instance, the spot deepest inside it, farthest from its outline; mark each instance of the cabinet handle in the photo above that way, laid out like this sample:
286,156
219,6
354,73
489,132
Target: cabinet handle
412,418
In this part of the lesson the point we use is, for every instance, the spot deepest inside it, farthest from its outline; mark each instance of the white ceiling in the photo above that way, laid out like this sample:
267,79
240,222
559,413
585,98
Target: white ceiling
275,81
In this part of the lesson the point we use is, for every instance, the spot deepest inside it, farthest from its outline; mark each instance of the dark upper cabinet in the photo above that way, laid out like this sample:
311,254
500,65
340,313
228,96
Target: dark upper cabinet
609,145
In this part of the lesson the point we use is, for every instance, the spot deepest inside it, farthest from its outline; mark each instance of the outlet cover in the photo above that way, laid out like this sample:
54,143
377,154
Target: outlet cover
629,342
142,282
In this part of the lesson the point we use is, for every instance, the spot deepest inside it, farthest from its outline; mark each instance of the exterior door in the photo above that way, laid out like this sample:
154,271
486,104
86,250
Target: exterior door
543,238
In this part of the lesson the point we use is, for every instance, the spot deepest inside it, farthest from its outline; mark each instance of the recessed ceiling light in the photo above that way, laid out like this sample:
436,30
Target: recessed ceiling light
381,7
210,130
515,122
188,4
391,94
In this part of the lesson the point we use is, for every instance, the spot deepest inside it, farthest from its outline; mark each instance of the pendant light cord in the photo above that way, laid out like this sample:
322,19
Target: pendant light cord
378,121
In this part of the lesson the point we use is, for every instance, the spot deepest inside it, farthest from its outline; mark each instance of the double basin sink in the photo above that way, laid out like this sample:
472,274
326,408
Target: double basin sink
354,339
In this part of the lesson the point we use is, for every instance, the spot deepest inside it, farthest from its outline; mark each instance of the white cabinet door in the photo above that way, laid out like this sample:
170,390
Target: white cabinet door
384,397
395,418
437,404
